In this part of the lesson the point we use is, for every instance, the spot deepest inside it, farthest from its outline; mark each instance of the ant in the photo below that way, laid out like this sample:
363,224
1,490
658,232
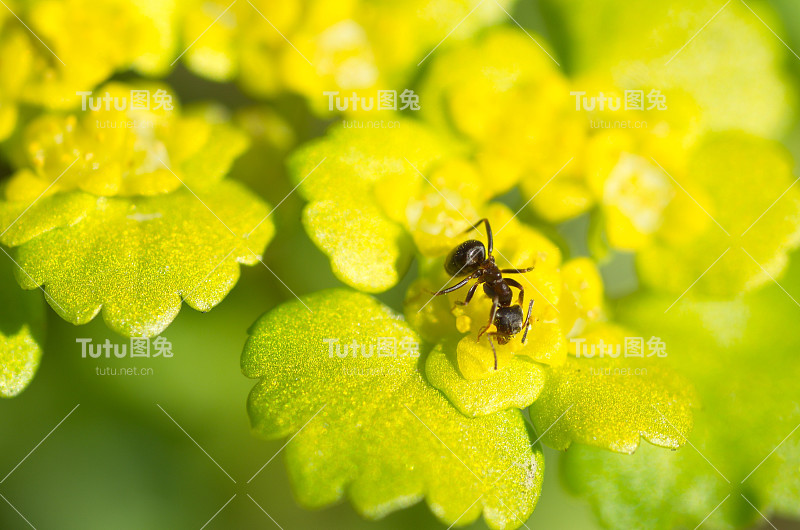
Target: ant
471,258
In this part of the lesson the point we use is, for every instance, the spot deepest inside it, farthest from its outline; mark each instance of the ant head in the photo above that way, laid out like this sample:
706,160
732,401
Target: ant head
509,320
465,258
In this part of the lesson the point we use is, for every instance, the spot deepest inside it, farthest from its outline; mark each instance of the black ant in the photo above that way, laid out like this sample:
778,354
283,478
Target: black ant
471,258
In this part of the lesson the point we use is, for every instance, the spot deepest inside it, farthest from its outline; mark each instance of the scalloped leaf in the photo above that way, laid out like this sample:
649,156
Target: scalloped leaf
366,250
743,363
613,402
137,259
21,332
614,484
516,385
364,179
22,221
370,427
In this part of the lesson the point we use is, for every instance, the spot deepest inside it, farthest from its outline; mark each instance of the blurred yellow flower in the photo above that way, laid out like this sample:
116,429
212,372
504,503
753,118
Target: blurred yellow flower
311,47
45,65
129,140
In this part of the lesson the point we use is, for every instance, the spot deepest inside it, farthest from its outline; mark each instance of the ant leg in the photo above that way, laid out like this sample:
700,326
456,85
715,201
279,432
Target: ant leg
489,336
516,271
490,239
514,283
527,322
495,305
470,294
456,287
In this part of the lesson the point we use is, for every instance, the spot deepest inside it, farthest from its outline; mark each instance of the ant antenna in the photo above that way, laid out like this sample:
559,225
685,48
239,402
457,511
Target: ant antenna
493,350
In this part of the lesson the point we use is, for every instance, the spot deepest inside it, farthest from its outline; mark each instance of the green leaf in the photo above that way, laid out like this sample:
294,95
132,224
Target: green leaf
19,357
137,259
366,250
516,385
23,221
358,183
612,402
21,332
631,491
743,363
371,428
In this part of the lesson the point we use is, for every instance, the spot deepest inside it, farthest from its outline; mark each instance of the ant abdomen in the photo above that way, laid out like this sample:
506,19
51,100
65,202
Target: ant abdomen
509,320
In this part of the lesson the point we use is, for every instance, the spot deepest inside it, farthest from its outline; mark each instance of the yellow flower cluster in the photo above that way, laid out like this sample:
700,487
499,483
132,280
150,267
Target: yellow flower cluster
637,157
313,46
130,140
135,186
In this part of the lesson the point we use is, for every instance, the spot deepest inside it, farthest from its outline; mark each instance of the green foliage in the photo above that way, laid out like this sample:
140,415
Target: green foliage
611,403
644,44
357,182
371,428
137,259
742,361
516,386
131,220
21,331
129,213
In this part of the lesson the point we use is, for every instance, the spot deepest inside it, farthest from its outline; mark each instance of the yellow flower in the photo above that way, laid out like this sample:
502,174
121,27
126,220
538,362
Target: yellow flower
511,101
566,297
147,147
311,47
